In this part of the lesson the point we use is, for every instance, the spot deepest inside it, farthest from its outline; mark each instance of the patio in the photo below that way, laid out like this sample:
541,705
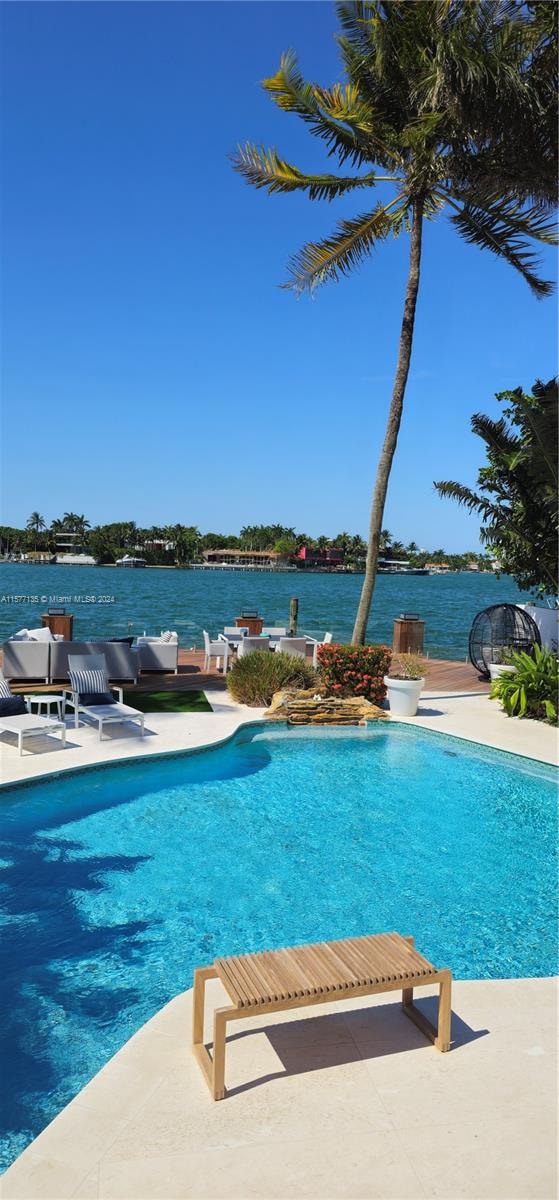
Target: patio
349,1103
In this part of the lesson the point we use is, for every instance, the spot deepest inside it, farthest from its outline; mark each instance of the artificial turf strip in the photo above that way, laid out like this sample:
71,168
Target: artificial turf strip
155,702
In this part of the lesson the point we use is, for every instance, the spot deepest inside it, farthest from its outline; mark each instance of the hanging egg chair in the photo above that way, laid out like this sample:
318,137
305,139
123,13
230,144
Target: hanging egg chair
497,629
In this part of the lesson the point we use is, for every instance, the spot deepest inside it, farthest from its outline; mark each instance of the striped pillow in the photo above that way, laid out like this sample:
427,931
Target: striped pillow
90,680
5,689
167,636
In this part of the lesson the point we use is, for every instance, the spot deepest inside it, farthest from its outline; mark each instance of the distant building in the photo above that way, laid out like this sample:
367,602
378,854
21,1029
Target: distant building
473,566
437,567
324,559
243,558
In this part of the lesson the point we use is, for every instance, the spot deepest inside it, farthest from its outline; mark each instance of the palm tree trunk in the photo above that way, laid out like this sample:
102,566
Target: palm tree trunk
392,429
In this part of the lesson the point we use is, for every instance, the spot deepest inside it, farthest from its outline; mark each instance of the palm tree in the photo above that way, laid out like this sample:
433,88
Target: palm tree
442,101
36,523
518,486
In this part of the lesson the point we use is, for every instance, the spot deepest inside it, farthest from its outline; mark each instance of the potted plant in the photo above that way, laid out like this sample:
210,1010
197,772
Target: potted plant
501,664
404,684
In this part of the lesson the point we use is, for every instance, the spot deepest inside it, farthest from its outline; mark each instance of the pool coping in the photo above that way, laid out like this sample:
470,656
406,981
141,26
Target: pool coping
262,723
246,722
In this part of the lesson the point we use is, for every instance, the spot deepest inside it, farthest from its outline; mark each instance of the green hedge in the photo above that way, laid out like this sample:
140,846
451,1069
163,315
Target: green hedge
254,678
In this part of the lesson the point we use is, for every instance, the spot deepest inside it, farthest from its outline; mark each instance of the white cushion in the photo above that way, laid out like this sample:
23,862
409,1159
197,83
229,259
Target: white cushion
22,635
40,635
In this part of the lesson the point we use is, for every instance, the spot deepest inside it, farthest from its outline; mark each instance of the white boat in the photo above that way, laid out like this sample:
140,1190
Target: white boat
130,560
76,560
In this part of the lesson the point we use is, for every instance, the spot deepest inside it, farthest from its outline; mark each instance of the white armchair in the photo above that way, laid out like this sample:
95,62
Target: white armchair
219,650
296,647
250,645
325,642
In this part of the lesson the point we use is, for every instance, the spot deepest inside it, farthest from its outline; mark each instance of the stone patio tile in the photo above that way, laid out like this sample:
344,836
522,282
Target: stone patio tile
487,1159
474,1080
41,1177
369,1167
328,1087
89,1188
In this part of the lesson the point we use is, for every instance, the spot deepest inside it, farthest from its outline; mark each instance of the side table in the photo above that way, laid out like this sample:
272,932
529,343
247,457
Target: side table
40,698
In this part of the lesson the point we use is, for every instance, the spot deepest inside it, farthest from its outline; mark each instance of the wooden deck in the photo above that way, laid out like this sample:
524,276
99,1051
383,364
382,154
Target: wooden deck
441,676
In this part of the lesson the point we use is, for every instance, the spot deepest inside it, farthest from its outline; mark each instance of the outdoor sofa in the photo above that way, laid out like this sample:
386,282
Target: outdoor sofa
26,660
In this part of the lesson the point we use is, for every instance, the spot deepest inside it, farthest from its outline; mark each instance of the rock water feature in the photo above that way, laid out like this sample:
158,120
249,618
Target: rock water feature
310,708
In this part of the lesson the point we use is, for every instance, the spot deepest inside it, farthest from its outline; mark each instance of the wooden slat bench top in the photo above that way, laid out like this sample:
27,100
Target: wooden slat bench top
322,968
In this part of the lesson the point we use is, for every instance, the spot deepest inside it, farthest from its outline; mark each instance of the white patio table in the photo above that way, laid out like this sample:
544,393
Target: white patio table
30,725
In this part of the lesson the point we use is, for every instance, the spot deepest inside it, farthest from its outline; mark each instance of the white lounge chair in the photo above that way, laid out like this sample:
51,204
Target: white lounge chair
296,647
89,670
250,645
220,649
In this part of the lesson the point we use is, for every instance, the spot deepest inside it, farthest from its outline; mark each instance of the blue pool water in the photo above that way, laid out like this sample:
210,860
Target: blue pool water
116,882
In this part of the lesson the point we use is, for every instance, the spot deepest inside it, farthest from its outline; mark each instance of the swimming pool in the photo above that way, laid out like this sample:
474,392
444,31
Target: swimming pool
117,881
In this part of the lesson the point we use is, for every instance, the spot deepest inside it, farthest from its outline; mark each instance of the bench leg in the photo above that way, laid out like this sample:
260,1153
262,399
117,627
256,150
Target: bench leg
442,1041
213,1066
440,1036
220,1031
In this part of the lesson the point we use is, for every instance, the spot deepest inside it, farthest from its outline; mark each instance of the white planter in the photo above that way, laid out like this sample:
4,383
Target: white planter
403,695
497,669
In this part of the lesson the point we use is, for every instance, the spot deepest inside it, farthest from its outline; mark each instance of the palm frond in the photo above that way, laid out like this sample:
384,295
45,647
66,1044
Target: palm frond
293,94
503,227
351,242
265,169
469,499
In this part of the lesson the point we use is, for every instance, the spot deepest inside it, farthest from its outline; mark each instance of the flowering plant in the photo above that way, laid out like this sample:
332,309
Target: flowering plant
354,670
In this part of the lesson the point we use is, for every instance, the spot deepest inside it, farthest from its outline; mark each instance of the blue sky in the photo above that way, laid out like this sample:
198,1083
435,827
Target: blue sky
152,368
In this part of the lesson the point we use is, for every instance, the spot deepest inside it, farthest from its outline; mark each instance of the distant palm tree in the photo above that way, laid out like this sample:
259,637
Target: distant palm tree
454,104
36,523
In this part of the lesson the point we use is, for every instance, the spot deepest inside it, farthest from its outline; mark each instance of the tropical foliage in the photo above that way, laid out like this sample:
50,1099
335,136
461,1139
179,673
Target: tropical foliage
532,690
451,104
167,545
517,497
254,678
354,670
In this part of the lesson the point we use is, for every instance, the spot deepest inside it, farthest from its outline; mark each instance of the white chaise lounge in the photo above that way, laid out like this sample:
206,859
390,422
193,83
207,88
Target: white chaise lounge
91,695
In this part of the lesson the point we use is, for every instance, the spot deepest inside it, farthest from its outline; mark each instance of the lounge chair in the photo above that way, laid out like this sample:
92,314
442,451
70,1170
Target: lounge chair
250,645
296,647
16,718
90,693
275,980
219,650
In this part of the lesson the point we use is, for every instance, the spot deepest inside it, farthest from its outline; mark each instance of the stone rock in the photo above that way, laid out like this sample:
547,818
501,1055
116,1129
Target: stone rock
307,707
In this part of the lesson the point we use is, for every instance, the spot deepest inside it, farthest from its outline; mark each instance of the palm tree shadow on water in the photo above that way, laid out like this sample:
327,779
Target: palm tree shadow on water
59,971
45,934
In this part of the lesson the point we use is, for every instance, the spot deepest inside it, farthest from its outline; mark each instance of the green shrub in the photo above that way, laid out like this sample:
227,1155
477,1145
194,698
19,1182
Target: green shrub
254,678
532,690
355,670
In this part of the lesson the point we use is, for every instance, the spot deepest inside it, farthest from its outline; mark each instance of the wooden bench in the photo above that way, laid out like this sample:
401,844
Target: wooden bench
274,980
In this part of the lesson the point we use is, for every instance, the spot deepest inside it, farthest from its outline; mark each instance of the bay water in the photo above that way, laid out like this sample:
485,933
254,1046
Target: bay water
115,602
